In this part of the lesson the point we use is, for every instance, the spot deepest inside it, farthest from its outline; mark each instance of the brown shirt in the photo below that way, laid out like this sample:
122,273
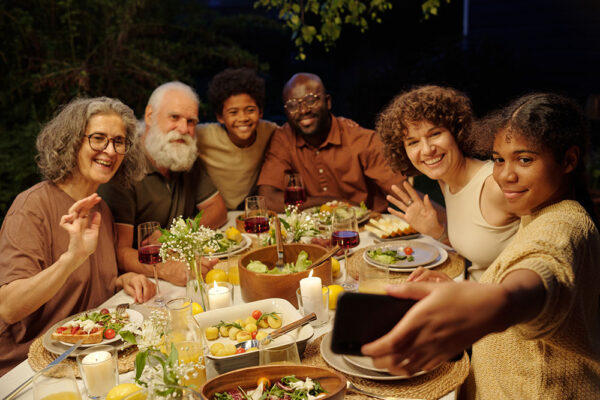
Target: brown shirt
32,240
348,165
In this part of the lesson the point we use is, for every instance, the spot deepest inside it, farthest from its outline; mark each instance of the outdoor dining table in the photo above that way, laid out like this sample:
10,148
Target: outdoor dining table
23,371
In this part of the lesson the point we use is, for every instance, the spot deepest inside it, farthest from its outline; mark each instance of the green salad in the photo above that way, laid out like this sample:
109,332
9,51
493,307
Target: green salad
388,256
302,263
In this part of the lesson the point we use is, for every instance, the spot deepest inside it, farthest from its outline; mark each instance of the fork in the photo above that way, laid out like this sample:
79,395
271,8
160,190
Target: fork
121,308
350,386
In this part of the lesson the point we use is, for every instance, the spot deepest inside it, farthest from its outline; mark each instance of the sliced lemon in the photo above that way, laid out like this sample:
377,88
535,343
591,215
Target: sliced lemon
123,390
334,293
232,233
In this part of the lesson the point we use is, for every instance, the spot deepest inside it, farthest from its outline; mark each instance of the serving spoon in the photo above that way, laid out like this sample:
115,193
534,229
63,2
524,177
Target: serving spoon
248,344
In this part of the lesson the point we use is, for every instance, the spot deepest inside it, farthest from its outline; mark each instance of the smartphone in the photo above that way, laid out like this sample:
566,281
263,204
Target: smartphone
361,318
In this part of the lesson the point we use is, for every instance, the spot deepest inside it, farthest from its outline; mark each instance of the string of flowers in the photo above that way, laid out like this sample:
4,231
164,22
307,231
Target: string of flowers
183,242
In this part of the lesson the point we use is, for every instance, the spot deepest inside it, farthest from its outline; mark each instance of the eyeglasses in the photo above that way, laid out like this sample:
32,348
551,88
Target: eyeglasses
99,142
293,105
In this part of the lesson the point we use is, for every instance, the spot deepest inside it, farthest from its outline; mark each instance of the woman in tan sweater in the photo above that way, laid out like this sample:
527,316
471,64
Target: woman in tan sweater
534,316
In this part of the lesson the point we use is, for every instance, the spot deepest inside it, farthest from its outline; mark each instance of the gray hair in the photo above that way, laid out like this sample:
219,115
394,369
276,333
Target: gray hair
60,140
157,96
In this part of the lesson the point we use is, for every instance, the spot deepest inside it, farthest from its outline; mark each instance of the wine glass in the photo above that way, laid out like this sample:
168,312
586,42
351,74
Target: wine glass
149,251
257,216
344,232
294,194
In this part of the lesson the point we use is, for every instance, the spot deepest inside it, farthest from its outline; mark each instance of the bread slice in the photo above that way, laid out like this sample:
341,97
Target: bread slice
87,338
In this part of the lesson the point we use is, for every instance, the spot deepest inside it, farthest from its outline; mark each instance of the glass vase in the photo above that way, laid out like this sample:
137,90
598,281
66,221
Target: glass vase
195,288
186,335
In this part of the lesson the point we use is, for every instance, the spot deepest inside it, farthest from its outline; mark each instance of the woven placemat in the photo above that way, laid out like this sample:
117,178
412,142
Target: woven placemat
39,357
453,266
433,385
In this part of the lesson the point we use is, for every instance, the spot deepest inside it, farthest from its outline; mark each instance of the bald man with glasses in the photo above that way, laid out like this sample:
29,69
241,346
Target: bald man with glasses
337,158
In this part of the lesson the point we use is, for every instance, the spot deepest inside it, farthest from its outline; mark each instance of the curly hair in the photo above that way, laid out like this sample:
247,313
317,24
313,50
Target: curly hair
60,140
441,106
230,82
547,121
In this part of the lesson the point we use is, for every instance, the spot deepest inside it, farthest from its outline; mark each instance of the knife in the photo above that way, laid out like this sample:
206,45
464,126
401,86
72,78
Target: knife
23,385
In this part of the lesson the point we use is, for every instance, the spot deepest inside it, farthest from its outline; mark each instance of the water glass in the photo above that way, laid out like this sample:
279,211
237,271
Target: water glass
282,350
372,279
57,383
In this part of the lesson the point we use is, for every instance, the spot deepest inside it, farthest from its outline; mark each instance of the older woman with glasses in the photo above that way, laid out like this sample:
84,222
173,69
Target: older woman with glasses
57,240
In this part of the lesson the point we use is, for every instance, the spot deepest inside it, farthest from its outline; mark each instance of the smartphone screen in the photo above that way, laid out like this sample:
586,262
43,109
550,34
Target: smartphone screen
361,318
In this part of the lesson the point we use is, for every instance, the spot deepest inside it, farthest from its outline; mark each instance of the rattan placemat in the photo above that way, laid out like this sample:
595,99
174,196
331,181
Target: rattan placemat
39,357
432,385
453,266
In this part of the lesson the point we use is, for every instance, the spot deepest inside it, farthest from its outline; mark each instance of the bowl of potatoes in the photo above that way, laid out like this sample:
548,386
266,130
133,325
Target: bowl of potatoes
225,327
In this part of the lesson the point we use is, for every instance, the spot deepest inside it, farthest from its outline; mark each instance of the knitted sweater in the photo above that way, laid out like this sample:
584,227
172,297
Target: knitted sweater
557,354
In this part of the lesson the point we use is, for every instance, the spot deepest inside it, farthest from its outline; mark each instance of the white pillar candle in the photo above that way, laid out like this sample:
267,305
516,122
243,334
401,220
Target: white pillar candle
99,370
312,296
219,297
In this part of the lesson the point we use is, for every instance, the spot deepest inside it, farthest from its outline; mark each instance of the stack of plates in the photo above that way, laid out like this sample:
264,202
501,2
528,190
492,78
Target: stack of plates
361,367
425,254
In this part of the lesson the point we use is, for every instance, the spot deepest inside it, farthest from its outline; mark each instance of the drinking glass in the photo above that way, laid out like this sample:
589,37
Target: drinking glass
149,251
57,383
294,194
282,350
257,216
344,232
372,279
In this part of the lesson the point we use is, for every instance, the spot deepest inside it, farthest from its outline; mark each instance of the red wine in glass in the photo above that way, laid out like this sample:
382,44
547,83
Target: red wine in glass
294,196
256,224
345,239
149,254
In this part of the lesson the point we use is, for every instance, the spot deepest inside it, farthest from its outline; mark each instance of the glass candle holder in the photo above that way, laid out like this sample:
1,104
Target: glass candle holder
220,295
99,369
315,303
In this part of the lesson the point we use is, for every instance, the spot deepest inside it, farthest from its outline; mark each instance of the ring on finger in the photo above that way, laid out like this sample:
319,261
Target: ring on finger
409,202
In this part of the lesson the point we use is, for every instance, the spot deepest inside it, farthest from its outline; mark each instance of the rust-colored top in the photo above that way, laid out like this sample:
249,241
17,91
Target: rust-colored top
348,165
32,240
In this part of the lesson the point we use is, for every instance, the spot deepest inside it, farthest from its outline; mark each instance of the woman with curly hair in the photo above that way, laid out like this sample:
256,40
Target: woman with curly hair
534,317
233,149
57,240
427,131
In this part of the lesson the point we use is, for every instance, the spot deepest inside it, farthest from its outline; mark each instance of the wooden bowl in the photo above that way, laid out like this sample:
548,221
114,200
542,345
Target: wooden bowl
332,381
265,286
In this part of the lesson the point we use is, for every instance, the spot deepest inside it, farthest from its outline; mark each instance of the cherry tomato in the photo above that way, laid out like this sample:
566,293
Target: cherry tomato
94,330
74,330
109,333
61,329
265,381
408,251
256,314
240,350
104,311
253,334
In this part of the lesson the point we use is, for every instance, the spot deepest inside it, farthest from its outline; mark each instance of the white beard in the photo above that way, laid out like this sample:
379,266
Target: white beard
174,156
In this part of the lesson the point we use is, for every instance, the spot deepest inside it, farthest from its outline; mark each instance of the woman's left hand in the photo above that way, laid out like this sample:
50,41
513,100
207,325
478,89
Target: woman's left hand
418,212
137,286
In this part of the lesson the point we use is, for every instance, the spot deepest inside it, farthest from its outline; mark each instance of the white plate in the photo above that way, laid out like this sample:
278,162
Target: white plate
58,347
364,363
243,245
337,361
438,261
359,219
242,311
423,253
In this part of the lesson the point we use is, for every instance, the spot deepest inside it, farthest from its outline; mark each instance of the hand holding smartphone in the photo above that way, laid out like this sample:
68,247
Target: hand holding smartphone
361,318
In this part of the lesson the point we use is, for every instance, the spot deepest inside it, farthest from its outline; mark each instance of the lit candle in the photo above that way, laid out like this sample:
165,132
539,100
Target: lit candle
312,296
219,297
99,370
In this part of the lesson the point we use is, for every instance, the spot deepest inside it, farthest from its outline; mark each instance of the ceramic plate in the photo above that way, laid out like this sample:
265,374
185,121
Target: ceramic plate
339,362
364,363
242,311
243,245
423,253
362,215
438,261
58,347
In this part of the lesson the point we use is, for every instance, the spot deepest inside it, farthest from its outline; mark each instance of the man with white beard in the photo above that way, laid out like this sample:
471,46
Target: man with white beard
175,183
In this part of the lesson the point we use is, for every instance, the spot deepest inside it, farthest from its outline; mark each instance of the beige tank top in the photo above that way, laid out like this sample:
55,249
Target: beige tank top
468,231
